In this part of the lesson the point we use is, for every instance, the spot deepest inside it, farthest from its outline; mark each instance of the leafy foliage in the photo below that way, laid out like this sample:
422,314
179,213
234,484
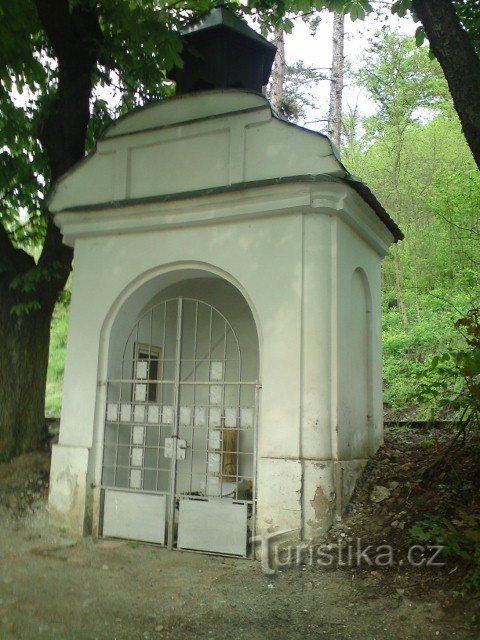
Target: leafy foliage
454,380
298,97
412,154
467,10
140,42
56,362
460,540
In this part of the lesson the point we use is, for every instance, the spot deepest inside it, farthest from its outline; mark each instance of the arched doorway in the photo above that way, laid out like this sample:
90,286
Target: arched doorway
180,425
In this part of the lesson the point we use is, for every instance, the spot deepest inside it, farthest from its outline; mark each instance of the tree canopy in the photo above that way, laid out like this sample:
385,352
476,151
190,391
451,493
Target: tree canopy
412,154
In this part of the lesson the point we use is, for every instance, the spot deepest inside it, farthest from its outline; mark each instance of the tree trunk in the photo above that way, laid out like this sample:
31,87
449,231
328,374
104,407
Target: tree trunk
336,80
460,63
73,33
278,74
399,287
24,344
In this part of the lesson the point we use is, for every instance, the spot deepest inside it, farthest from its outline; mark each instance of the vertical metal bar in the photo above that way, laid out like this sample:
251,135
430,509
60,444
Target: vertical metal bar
239,419
156,398
222,404
117,444
255,446
173,474
162,375
192,446
208,401
133,405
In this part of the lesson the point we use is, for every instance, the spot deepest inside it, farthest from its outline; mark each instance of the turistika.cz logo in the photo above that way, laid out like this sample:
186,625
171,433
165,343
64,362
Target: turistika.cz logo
276,552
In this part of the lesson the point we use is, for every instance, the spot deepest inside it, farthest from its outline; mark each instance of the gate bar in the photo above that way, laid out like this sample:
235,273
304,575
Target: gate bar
176,404
183,382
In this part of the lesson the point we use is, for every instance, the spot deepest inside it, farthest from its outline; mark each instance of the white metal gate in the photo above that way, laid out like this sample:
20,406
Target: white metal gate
180,434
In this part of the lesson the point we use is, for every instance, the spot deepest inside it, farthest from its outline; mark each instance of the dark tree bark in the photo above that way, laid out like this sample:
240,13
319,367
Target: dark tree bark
23,371
460,63
336,80
74,34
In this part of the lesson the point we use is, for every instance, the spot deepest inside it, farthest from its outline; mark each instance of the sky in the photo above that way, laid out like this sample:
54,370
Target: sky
317,51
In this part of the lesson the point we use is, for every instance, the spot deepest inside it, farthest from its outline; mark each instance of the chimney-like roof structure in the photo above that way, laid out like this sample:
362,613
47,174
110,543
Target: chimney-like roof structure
221,51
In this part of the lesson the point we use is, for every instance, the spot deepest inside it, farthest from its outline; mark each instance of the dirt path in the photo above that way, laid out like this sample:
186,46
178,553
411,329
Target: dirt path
52,587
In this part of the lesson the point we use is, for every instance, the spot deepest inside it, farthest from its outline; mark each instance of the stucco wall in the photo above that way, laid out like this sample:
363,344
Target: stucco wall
302,253
360,413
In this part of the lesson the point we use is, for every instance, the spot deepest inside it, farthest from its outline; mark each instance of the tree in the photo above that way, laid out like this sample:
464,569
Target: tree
336,80
455,51
55,54
404,84
278,71
452,28
412,154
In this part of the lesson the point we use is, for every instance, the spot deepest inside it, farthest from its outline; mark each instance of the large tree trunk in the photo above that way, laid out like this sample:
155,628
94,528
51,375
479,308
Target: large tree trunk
74,34
24,341
459,61
336,80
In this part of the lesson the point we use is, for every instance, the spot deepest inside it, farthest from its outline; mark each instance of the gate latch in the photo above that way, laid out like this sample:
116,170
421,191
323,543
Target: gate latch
170,446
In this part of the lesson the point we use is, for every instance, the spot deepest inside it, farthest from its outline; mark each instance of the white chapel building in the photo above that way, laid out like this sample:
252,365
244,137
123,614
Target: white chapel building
223,374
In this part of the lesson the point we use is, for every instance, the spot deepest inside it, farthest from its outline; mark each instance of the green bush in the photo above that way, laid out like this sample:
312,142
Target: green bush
56,361
458,541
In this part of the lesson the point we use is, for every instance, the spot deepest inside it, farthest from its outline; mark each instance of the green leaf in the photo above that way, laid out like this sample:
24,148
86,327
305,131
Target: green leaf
420,36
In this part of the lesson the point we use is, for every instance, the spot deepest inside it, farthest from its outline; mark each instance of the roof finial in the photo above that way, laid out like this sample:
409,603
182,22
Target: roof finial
221,51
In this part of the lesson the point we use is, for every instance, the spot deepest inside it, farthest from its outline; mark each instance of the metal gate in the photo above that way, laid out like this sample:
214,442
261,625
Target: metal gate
180,434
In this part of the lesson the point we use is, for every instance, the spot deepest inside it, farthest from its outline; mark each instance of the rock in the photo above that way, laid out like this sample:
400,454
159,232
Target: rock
394,524
400,591
393,485
379,493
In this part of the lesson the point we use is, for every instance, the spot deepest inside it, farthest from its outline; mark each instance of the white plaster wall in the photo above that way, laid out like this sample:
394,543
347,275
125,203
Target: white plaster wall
359,418
106,267
299,283
160,150
272,277
316,353
291,250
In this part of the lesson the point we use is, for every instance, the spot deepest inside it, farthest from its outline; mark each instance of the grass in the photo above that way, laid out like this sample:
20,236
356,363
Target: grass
56,361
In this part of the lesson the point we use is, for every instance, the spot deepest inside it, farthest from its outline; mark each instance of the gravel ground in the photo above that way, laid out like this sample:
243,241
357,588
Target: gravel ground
54,587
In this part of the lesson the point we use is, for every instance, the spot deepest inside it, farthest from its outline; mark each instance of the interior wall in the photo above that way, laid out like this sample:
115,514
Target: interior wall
234,348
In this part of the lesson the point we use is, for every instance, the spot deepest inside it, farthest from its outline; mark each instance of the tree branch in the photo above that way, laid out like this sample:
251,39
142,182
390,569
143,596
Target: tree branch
457,56
75,36
72,32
